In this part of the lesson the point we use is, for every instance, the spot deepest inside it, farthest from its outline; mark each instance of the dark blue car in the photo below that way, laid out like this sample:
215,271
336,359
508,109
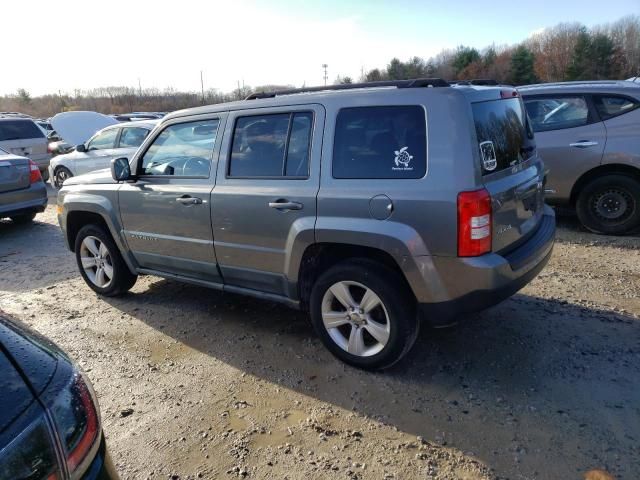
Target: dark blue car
50,425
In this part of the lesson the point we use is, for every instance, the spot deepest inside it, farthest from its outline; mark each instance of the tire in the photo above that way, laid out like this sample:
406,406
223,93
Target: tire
94,243
23,219
45,175
60,175
395,313
610,205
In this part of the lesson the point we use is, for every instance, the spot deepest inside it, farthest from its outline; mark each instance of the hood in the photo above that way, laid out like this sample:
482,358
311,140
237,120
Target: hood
77,127
98,176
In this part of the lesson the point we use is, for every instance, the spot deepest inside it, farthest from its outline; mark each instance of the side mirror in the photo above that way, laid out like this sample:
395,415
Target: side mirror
120,169
81,148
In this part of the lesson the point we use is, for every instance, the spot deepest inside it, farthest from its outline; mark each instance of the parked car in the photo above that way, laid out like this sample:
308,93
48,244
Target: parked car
49,417
96,153
23,194
588,134
371,208
22,136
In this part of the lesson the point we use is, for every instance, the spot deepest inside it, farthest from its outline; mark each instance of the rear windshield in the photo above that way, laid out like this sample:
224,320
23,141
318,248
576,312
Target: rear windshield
19,130
504,135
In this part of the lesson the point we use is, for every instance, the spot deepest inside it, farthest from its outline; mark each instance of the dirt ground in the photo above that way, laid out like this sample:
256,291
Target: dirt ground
196,384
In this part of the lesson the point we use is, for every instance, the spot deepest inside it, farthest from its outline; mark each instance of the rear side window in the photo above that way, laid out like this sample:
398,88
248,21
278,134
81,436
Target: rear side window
19,130
609,107
132,137
275,145
555,113
380,142
504,137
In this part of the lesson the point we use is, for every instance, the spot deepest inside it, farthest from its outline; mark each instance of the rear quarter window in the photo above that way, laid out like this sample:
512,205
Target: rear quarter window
612,106
380,142
19,130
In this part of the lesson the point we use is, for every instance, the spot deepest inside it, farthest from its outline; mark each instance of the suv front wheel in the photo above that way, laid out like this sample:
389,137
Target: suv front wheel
100,263
364,314
610,205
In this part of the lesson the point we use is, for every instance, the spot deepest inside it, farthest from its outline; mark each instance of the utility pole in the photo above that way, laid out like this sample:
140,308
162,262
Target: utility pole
202,86
139,87
324,66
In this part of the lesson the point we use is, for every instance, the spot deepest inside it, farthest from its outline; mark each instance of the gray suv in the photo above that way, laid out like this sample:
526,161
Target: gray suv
373,206
588,134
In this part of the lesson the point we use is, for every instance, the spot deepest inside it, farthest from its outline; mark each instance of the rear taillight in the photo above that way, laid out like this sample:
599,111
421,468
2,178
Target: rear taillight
34,172
76,417
474,223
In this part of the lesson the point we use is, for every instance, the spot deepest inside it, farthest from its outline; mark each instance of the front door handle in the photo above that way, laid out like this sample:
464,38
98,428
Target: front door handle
583,144
187,200
285,205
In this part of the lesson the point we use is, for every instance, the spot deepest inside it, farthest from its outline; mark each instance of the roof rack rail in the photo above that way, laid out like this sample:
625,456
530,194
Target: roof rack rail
414,83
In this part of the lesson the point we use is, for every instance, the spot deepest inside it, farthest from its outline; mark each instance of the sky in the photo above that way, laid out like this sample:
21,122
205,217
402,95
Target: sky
80,44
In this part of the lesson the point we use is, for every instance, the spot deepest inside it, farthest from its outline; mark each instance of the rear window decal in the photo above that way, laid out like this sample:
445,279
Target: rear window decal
488,152
402,159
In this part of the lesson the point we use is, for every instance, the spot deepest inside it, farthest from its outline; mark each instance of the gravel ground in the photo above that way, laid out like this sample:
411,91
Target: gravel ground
196,384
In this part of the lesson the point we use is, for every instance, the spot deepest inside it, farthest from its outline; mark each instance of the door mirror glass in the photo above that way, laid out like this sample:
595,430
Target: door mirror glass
120,169
81,148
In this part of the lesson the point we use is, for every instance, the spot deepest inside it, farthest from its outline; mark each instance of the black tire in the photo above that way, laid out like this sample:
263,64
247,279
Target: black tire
45,175
398,303
122,279
23,219
60,175
610,205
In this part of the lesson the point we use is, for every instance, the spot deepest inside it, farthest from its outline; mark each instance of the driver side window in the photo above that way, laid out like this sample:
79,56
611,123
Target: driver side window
103,140
555,113
182,149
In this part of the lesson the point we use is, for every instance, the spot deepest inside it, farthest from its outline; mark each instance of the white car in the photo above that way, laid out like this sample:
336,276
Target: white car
114,141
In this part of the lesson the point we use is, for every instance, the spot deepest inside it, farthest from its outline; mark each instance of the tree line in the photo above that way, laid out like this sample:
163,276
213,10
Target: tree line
567,51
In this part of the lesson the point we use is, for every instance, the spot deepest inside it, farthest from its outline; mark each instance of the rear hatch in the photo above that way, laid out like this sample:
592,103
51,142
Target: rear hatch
14,173
512,172
21,136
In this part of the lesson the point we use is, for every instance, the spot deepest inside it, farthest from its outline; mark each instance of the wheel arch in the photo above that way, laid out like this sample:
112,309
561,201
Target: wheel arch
609,168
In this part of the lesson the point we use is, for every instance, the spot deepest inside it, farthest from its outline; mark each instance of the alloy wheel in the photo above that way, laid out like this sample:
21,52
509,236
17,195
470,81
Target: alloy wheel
96,261
355,318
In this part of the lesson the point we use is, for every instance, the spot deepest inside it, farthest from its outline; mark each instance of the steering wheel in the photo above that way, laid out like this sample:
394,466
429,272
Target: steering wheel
194,163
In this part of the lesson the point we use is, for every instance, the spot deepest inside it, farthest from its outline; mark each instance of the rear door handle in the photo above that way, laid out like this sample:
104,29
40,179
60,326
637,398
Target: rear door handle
285,205
187,200
583,144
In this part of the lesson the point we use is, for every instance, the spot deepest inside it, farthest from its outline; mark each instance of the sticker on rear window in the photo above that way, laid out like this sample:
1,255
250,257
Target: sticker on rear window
489,160
402,159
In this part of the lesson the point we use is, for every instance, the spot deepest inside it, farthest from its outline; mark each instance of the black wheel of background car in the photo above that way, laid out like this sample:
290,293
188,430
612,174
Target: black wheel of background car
45,175
364,314
60,175
22,219
100,262
610,205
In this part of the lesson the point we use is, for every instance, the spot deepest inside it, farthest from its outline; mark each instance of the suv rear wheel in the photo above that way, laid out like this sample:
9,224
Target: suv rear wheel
363,314
24,218
610,205
100,263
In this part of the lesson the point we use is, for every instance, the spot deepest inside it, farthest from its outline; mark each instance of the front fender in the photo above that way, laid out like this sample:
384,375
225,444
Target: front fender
103,204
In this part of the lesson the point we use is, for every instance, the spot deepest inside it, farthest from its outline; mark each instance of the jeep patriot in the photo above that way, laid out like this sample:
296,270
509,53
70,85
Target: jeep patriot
374,207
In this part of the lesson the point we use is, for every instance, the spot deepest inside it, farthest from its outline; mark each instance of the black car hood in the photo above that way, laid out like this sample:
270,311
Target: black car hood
15,394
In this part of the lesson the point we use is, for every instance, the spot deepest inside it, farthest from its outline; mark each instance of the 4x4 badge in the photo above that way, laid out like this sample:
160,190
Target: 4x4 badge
403,158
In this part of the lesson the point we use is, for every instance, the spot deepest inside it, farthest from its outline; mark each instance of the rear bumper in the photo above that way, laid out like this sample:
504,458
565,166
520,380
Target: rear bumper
476,283
29,200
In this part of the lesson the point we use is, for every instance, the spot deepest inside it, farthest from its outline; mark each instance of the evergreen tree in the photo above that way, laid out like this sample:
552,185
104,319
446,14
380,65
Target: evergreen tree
522,71
464,57
581,63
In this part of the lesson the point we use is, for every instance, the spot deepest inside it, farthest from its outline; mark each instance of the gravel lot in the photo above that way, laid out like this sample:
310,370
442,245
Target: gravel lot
196,384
